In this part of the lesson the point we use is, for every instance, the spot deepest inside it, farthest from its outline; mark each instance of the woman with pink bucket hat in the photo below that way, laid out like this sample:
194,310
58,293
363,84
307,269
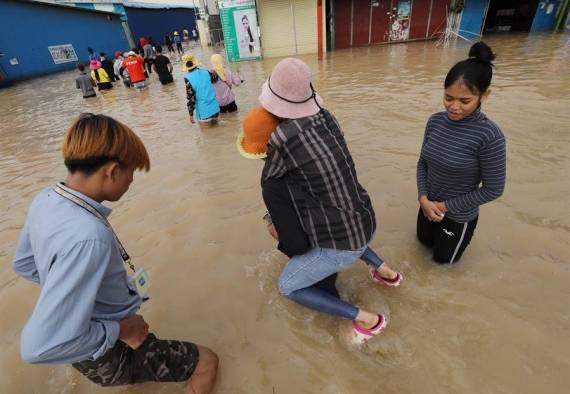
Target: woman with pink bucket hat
308,149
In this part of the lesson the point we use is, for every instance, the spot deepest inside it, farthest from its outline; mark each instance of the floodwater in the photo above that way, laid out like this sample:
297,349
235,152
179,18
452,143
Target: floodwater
497,322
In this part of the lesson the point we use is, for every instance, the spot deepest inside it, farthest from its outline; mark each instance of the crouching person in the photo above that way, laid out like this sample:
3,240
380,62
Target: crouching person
86,314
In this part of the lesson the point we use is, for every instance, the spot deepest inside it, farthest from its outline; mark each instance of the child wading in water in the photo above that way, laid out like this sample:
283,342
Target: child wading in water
85,82
309,152
224,80
99,74
462,163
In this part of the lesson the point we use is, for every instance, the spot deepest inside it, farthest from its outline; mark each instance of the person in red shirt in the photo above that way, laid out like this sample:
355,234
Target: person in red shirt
135,66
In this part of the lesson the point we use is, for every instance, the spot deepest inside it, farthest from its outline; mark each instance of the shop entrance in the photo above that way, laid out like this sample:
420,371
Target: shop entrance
361,22
366,22
510,15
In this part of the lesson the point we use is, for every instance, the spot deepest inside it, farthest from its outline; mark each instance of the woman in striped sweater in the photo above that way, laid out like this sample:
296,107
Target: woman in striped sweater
462,163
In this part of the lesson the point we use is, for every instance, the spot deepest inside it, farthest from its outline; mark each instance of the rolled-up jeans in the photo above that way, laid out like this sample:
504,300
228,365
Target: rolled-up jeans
297,279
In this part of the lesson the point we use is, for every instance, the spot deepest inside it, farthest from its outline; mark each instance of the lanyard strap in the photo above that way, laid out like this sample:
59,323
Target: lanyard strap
88,207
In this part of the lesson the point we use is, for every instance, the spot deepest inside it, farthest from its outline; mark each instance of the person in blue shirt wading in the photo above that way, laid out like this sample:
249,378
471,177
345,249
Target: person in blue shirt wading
200,93
86,314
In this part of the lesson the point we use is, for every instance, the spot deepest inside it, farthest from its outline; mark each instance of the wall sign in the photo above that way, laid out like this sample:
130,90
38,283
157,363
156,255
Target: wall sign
241,31
63,53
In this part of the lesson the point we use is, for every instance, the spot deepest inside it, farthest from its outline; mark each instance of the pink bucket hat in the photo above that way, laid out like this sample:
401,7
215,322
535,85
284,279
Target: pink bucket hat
94,64
288,92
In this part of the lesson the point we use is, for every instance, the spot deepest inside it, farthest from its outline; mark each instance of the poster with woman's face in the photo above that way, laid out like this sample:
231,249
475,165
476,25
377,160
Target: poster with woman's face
246,31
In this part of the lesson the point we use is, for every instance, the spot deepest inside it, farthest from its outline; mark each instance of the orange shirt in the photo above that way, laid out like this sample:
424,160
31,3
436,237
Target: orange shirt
135,67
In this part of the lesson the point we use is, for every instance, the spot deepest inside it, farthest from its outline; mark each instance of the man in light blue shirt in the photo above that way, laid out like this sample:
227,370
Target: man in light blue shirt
86,314
74,257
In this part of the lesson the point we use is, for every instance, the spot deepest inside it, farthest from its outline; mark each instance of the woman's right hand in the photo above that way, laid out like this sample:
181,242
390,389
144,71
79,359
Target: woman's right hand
430,210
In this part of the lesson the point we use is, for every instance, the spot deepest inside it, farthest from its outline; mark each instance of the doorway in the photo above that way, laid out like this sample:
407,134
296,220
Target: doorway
367,22
510,15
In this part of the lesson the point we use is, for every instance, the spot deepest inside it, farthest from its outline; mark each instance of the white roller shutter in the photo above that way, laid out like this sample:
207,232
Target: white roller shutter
306,25
277,33
288,27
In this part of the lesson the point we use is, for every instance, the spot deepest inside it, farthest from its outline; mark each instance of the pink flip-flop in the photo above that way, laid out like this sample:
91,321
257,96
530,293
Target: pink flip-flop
362,335
376,277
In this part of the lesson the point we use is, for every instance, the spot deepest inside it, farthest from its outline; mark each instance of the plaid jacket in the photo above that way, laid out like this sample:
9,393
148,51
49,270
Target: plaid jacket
334,209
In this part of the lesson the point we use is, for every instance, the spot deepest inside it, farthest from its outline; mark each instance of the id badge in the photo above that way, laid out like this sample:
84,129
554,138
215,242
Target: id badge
141,283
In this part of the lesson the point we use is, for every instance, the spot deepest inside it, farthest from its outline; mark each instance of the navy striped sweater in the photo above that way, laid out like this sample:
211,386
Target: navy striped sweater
462,163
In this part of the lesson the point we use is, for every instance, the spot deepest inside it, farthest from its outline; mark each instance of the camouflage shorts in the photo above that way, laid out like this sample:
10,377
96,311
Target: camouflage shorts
154,361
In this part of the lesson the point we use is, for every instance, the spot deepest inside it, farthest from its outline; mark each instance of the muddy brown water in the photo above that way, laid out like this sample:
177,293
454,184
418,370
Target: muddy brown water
498,322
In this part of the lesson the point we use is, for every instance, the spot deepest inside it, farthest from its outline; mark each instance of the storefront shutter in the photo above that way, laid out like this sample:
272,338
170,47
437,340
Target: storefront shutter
276,23
306,25
281,35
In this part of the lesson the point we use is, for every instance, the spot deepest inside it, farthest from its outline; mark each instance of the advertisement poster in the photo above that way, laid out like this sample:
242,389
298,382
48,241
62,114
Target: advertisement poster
241,31
63,53
400,29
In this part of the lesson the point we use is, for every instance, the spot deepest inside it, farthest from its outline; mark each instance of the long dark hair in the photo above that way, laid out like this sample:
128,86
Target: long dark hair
97,77
475,72
248,30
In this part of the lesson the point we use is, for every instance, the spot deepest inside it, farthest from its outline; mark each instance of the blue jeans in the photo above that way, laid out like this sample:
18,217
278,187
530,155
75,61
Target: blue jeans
302,272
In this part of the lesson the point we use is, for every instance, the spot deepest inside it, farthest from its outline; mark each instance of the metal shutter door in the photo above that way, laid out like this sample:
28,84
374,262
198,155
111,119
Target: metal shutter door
305,25
276,24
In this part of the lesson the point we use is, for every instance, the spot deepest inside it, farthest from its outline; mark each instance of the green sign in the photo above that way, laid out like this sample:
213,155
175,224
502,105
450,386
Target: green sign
241,31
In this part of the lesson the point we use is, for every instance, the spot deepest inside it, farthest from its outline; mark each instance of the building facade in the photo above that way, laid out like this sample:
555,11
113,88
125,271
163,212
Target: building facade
289,27
39,38
481,17
293,27
144,19
157,22
365,22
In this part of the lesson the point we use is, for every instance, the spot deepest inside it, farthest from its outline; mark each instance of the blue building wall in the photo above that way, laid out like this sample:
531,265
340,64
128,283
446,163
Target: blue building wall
544,21
155,23
27,29
473,18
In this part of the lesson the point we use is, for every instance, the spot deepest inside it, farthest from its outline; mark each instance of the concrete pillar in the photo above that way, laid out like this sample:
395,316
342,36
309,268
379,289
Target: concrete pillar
204,33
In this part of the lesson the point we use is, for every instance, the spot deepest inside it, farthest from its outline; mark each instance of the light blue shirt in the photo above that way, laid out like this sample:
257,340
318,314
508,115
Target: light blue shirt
206,102
84,293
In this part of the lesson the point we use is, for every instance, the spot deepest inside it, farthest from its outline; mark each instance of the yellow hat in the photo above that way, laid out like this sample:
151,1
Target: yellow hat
258,125
185,59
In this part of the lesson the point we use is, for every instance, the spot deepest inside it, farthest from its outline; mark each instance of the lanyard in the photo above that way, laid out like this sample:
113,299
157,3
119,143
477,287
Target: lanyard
73,198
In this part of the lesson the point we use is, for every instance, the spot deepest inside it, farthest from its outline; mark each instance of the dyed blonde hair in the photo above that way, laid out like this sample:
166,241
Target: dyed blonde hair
93,140
218,65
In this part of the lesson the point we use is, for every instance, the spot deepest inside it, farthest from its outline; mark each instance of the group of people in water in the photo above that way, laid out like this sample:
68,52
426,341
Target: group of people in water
322,217
208,91
174,39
